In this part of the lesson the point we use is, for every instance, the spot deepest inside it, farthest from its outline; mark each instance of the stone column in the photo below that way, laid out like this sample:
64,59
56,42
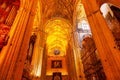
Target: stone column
19,65
15,53
104,40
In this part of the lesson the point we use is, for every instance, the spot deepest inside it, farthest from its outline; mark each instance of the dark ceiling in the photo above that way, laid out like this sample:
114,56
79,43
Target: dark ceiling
58,8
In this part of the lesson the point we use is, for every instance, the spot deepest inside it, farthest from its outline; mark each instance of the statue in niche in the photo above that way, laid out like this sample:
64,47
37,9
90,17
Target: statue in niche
27,65
31,47
26,71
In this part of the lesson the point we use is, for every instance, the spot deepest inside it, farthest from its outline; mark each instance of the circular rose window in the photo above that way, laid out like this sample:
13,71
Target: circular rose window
56,52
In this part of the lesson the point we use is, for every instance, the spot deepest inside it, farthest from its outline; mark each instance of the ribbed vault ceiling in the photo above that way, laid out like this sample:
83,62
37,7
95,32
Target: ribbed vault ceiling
58,30
58,34
58,8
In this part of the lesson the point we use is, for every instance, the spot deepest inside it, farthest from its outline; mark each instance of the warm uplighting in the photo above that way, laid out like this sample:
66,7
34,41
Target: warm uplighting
58,32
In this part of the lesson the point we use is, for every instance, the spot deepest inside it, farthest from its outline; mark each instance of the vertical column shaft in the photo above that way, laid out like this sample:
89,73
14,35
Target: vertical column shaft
104,40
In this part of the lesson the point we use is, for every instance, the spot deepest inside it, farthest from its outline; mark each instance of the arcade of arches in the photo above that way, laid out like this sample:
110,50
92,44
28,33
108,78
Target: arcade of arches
59,40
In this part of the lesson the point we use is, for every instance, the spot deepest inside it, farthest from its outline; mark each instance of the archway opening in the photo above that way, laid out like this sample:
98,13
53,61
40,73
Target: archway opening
58,32
58,35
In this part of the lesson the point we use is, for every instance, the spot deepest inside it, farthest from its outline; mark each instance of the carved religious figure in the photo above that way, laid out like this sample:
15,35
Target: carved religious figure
31,46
